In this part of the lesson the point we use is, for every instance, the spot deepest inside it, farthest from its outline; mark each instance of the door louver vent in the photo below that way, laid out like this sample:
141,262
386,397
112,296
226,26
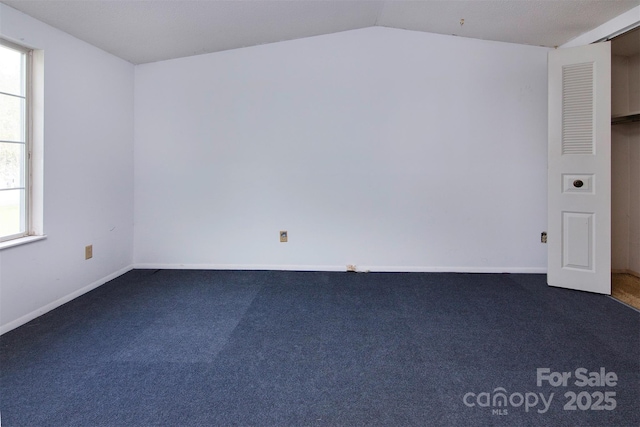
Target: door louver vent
577,109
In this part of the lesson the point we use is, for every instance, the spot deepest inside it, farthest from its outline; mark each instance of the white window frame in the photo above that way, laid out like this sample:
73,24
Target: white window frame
32,215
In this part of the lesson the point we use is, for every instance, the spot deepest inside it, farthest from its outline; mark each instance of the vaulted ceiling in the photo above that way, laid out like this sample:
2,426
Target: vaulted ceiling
142,31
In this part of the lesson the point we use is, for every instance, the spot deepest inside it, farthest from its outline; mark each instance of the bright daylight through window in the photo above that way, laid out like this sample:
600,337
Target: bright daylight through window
14,141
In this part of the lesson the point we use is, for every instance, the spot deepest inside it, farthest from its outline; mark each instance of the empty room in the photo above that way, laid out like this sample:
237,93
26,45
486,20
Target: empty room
319,213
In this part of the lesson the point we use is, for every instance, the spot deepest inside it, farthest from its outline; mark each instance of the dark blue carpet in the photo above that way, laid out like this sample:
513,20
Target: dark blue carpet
225,348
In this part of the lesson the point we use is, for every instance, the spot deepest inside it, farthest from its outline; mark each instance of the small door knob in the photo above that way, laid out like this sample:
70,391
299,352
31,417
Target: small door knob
578,183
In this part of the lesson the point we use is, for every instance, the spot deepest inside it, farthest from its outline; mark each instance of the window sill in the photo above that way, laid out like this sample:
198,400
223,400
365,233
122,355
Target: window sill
20,241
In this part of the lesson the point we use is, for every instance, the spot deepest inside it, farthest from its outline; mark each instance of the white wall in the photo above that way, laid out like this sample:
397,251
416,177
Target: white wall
389,149
88,174
634,196
620,165
625,209
625,165
620,200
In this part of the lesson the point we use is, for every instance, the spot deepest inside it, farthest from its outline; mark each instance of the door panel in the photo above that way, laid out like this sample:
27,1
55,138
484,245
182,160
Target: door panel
579,168
577,231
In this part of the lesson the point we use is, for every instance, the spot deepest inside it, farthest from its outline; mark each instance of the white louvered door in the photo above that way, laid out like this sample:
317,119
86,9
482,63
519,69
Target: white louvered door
579,168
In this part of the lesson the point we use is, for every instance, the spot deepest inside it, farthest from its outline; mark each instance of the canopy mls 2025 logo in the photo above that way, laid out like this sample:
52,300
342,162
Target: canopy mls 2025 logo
500,402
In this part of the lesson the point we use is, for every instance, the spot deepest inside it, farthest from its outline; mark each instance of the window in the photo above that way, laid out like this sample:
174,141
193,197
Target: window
15,146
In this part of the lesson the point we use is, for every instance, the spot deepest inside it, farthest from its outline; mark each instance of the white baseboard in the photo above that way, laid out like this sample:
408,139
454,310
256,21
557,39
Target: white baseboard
57,303
421,269
273,267
360,268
